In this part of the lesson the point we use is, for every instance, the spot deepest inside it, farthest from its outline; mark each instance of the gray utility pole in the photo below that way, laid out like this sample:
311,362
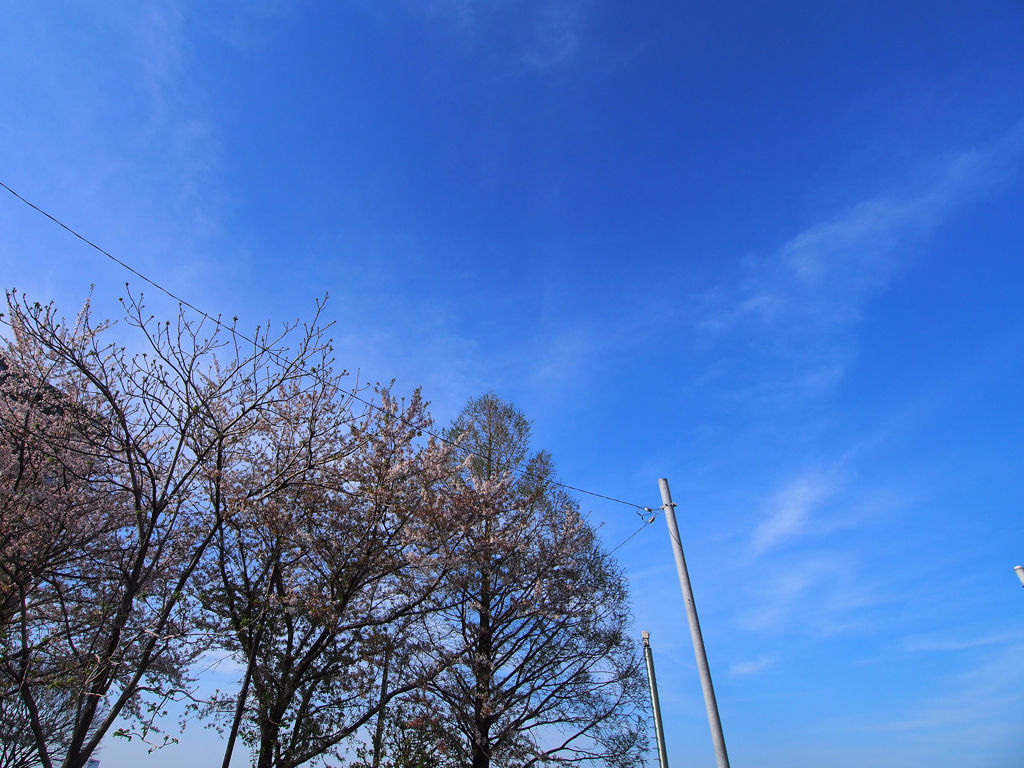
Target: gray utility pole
717,737
659,729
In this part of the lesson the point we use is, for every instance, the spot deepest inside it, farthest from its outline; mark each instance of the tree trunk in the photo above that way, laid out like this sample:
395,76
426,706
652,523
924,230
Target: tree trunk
378,736
268,743
480,758
482,714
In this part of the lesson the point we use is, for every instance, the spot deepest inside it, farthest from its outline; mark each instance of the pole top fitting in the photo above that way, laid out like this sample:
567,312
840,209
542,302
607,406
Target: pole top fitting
647,637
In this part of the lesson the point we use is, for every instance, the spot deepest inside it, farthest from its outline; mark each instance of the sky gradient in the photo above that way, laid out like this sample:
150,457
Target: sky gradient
770,251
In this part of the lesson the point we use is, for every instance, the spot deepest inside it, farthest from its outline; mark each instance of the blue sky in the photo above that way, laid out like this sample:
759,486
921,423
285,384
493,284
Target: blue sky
771,251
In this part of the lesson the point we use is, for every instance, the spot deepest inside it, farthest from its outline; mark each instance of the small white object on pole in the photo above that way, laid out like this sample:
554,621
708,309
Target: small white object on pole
1020,573
717,737
659,729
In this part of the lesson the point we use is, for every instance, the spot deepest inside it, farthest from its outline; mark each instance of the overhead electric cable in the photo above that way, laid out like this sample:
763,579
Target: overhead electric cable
368,403
622,543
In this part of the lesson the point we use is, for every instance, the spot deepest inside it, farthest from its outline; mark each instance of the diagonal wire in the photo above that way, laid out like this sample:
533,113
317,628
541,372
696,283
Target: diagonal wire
643,525
524,472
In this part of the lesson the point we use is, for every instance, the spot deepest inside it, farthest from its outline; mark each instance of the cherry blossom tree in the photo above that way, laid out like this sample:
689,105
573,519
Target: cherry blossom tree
53,524
210,493
314,585
551,675
113,465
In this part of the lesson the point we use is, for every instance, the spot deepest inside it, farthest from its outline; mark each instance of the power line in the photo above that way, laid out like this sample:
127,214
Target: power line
113,258
643,525
354,395
646,522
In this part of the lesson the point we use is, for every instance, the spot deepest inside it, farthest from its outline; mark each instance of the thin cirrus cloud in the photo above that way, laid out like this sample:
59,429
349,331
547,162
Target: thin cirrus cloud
945,644
798,305
822,582
551,35
556,37
745,668
978,707
791,510
786,587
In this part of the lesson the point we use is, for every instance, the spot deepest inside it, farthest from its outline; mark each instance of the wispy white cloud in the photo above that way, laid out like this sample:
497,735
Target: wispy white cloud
809,555
246,26
556,35
818,594
746,668
791,509
798,304
944,643
524,35
978,707
562,355
782,586
809,559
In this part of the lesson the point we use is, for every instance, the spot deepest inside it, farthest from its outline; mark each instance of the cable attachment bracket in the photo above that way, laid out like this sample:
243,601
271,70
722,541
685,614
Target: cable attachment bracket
642,513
